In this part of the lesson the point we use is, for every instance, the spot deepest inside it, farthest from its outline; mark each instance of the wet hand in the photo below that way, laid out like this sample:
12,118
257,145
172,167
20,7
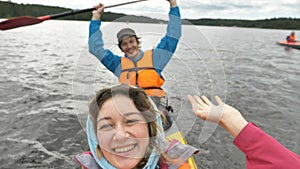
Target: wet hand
173,3
98,12
203,108
228,117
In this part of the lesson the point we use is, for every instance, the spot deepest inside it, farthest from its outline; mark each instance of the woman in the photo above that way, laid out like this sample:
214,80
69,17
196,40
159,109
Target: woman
125,131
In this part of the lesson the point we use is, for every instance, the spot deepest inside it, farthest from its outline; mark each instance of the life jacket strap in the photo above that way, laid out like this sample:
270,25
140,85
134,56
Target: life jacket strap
137,69
152,87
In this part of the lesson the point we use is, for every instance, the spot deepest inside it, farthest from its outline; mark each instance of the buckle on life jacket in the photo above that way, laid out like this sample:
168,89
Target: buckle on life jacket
166,109
162,105
169,121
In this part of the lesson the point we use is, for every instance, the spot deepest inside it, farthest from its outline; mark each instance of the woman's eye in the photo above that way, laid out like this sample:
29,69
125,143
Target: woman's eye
105,127
132,121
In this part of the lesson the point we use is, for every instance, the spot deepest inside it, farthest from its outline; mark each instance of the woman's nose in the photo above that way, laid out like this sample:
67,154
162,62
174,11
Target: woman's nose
121,133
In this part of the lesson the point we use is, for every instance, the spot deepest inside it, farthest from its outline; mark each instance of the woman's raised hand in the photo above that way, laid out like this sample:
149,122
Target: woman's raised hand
203,108
228,117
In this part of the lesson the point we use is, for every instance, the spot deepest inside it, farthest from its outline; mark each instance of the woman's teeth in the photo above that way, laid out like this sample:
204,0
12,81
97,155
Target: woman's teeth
124,149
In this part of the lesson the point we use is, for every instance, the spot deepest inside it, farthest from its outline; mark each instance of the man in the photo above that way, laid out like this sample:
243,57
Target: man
139,68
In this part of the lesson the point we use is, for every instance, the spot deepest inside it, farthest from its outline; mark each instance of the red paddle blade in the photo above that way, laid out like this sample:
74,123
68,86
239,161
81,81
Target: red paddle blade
18,22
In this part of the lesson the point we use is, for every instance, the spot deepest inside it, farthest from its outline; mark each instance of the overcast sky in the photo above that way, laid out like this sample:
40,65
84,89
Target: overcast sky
191,9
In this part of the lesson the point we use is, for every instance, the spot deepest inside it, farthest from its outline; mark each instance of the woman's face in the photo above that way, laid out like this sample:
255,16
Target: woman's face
122,132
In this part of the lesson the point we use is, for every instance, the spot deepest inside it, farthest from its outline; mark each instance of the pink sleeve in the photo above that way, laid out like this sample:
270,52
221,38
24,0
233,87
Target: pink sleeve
263,151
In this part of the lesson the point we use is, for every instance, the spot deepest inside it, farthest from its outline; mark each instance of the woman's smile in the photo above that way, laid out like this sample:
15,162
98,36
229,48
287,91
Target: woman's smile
124,149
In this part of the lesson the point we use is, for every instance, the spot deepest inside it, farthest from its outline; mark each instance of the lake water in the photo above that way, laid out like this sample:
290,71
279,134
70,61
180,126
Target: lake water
47,76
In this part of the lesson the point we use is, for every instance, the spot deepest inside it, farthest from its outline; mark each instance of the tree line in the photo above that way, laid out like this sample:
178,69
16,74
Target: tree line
9,10
273,23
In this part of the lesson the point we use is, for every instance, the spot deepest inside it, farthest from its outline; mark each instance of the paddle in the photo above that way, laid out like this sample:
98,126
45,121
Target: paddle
29,20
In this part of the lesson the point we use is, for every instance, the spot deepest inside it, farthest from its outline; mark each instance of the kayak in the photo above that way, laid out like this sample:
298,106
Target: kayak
174,133
295,45
179,136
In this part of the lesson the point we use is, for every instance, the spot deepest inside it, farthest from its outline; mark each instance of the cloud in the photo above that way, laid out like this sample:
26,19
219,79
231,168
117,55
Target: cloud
203,7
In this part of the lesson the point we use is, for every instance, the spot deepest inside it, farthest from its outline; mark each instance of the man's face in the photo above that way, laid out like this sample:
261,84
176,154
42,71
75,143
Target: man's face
130,47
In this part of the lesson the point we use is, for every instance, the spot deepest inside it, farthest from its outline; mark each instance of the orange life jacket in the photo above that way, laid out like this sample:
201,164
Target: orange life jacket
291,38
142,74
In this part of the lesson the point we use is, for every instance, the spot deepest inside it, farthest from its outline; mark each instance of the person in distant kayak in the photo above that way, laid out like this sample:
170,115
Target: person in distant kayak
139,68
291,37
120,115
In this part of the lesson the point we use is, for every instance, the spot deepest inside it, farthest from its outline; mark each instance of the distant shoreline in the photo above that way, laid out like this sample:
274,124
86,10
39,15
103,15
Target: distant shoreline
10,10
